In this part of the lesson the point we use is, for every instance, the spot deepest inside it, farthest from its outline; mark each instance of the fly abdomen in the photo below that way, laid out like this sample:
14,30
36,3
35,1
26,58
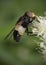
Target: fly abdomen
18,32
16,36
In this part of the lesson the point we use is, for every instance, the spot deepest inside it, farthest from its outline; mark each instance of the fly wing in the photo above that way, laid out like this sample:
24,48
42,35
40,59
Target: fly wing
9,34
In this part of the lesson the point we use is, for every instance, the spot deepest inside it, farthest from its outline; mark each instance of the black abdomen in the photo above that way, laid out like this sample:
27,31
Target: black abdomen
16,36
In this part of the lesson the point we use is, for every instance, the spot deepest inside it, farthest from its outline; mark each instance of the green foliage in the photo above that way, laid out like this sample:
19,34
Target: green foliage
27,51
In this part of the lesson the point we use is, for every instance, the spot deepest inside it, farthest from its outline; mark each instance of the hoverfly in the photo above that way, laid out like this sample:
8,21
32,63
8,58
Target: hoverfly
22,26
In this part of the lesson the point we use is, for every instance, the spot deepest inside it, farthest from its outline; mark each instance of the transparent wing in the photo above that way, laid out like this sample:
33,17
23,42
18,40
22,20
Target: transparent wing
9,34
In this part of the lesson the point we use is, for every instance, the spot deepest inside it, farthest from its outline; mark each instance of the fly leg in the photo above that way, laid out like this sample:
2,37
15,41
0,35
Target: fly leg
30,33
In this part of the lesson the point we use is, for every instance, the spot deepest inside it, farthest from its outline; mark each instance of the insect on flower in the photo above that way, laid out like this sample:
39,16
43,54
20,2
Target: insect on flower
22,26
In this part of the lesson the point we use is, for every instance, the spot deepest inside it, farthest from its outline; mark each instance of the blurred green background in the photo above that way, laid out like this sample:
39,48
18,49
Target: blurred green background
27,51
